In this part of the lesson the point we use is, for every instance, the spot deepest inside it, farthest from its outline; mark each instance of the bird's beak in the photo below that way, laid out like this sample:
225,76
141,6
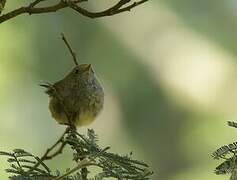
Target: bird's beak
89,67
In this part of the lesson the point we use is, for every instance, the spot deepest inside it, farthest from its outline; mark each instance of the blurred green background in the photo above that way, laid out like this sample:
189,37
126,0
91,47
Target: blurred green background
168,68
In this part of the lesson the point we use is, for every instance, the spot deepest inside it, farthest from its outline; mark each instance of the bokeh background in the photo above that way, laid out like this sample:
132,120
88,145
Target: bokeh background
168,68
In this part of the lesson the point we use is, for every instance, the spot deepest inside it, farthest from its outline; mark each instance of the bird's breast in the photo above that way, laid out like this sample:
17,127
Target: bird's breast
85,118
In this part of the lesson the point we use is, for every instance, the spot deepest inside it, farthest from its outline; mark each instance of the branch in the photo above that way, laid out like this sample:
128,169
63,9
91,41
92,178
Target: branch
70,49
46,155
121,6
24,167
116,9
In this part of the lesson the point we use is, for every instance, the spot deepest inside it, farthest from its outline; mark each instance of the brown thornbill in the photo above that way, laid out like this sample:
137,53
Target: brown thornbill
78,98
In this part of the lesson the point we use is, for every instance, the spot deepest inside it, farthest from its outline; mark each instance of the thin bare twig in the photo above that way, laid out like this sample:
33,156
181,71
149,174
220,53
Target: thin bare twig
70,49
33,4
73,4
116,9
59,151
46,155
31,9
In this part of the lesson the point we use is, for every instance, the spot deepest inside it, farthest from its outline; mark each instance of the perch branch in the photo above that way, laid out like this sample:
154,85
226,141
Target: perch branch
46,155
111,164
121,6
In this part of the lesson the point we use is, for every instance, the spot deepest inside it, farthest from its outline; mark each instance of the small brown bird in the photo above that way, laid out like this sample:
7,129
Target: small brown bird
78,98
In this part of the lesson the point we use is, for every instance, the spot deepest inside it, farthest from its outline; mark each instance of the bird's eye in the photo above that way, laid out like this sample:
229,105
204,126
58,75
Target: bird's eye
76,71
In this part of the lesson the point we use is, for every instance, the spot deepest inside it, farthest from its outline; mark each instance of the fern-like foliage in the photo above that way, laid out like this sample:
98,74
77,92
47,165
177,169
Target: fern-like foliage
227,153
86,153
223,151
232,124
226,167
21,163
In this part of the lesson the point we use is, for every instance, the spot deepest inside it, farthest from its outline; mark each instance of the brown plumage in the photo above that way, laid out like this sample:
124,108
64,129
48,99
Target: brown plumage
76,99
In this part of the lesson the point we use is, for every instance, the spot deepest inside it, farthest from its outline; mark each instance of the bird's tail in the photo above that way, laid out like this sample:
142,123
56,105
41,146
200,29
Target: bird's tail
49,88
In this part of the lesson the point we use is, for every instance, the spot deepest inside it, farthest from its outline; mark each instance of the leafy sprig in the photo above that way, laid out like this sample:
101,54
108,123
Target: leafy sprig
228,153
85,152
